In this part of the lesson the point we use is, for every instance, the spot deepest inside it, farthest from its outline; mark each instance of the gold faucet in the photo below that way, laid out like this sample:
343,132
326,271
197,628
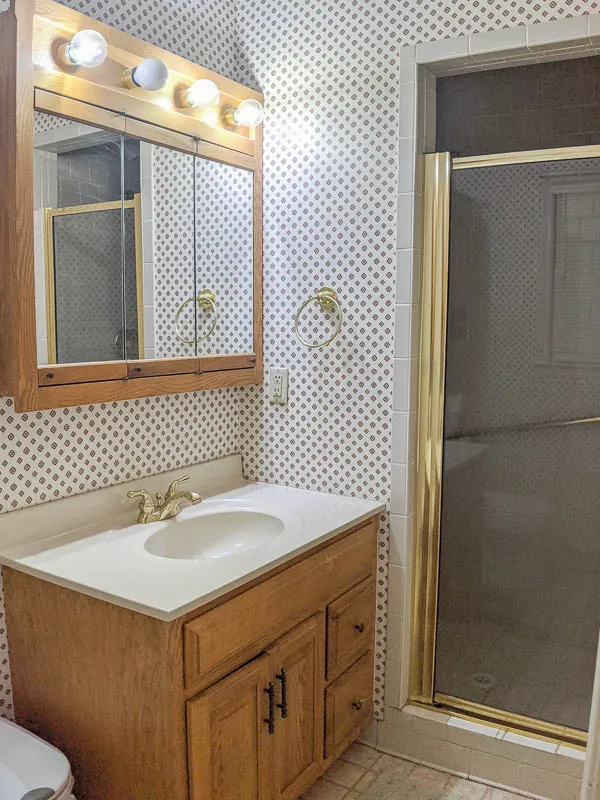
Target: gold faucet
151,511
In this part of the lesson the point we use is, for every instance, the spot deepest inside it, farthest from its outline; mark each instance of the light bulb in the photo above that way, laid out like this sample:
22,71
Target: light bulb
87,49
202,94
151,74
249,113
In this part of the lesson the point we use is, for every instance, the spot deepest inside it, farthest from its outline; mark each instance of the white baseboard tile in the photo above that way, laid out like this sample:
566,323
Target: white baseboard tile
369,735
548,784
514,762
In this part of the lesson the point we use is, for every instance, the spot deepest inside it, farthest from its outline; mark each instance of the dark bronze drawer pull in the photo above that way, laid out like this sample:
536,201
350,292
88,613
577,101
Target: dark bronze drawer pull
271,718
283,705
360,627
358,704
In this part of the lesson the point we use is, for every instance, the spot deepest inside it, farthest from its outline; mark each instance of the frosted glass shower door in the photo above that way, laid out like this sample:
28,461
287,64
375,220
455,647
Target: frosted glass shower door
519,580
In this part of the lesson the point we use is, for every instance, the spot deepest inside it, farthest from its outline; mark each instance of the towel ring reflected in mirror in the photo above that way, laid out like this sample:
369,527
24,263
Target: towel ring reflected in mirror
206,300
327,298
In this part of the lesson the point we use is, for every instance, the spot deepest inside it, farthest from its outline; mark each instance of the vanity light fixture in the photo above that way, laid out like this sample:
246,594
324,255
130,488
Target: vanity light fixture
249,113
86,49
150,74
201,94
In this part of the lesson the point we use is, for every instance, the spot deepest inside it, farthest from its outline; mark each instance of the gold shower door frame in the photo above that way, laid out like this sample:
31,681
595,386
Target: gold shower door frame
438,169
48,233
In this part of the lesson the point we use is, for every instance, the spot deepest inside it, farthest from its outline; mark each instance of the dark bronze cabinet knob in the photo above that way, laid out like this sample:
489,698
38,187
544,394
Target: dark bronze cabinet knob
360,627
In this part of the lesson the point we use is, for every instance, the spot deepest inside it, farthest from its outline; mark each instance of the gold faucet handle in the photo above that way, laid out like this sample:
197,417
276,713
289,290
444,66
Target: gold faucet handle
172,490
140,493
146,508
145,498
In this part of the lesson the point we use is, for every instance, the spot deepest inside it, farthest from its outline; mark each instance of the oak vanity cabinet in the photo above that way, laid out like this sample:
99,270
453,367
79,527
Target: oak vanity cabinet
131,223
250,697
263,724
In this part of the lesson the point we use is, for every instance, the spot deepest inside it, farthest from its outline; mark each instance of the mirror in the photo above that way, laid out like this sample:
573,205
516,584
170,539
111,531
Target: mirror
167,277
224,257
141,251
84,267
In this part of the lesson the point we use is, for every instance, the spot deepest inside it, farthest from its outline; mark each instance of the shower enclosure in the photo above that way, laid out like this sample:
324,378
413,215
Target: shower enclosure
507,600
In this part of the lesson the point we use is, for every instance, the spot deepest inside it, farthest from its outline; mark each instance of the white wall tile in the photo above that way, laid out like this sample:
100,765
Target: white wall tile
506,39
399,540
404,221
555,33
396,590
548,784
394,638
404,266
446,756
594,26
487,767
443,50
406,165
408,109
392,683
400,421
399,499
402,383
402,331
399,742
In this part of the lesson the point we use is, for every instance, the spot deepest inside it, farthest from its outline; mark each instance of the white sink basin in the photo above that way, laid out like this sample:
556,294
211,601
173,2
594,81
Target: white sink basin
216,534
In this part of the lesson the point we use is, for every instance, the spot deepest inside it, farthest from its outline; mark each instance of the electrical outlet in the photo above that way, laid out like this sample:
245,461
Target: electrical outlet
278,387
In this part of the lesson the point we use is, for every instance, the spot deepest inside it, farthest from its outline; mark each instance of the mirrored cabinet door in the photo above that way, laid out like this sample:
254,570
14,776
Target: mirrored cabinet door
161,284
224,258
79,247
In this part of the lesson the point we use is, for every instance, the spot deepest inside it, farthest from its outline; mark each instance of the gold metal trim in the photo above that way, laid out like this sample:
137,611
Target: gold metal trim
139,271
431,380
436,221
50,287
526,157
108,205
327,298
540,729
206,300
526,427
48,233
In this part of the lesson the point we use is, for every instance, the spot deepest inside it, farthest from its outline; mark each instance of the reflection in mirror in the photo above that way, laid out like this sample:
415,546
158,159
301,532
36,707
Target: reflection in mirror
166,280
84,267
224,258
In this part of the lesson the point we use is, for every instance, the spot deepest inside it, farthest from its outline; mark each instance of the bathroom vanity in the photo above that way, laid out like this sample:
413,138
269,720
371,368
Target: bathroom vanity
249,675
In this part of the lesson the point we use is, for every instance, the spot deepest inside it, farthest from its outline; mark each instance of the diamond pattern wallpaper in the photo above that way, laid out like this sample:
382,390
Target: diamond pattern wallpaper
329,74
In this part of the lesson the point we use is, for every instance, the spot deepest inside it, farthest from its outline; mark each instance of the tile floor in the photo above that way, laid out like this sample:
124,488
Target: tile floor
360,766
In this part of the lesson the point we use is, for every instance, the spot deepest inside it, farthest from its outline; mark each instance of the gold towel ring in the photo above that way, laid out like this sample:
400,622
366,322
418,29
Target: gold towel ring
327,298
206,300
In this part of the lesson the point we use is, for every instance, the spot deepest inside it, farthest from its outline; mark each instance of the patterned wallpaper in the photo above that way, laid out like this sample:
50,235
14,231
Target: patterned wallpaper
172,249
224,255
329,73
224,252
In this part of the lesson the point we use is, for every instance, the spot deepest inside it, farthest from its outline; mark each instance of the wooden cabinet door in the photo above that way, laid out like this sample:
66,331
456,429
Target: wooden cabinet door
230,749
298,663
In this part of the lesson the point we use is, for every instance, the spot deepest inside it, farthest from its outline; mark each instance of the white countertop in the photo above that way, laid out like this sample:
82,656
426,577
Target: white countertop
106,558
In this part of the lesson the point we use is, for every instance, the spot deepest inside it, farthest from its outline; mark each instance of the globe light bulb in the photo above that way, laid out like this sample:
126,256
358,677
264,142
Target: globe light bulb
249,113
87,49
151,74
202,94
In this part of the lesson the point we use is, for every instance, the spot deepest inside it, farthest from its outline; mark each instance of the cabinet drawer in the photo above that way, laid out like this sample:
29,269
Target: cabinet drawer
230,634
350,627
348,705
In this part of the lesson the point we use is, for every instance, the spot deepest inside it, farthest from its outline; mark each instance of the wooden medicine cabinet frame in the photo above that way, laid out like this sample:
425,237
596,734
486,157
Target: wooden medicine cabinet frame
32,77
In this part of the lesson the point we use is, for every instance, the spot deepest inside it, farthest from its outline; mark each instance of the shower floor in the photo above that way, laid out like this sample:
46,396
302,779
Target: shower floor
496,666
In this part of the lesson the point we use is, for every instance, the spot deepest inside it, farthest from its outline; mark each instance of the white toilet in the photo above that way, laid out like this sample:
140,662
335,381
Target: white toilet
30,768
